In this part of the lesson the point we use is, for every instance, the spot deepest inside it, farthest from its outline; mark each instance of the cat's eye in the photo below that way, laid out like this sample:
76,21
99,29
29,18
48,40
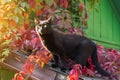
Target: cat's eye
44,26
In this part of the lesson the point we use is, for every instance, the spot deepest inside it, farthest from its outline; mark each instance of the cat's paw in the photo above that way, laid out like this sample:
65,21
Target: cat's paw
54,65
63,69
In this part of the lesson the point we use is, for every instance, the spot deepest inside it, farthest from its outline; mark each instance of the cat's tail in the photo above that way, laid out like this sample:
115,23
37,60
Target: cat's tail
97,65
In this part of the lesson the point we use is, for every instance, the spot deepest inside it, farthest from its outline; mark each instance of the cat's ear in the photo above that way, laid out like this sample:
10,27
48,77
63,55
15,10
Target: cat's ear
46,21
49,19
36,21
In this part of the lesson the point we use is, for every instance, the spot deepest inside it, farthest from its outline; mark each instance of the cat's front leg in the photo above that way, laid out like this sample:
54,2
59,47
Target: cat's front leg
63,64
56,62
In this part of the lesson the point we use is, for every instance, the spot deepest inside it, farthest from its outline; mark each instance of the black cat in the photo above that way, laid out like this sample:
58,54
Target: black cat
61,45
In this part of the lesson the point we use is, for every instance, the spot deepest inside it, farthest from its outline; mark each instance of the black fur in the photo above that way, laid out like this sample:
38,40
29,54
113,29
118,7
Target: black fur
77,48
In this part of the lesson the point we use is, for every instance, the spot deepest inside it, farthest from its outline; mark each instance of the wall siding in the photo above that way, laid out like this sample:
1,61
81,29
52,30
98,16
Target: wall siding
104,26
6,74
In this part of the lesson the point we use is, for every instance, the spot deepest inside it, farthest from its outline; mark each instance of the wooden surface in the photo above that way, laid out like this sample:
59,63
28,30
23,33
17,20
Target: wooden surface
16,61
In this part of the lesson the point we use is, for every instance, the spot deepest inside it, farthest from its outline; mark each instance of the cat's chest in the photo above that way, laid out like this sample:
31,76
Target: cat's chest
48,45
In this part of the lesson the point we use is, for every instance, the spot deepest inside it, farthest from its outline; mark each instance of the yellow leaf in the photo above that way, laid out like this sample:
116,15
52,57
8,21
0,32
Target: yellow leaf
42,64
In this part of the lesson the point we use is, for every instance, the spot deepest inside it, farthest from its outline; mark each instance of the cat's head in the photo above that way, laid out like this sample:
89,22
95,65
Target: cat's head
43,27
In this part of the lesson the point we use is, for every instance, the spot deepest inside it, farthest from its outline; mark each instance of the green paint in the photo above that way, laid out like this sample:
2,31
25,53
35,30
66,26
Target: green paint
103,19
97,24
104,26
6,74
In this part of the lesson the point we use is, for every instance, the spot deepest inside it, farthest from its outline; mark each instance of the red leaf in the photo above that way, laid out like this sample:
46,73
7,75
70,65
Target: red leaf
83,21
99,55
32,3
43,56
81,6
7,37
111,57
28,68
12,23
86,15
91,66
56,1
31,58
36,43
18,76
113,51
75,72
26,24
88,72
100,47
64,3
74,76
40,12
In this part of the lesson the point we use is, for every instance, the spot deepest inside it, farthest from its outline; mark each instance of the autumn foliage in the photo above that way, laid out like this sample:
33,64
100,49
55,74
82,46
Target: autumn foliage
109,59
17,34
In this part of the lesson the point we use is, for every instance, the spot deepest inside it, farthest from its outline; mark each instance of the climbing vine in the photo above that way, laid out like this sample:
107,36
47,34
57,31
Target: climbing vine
17,32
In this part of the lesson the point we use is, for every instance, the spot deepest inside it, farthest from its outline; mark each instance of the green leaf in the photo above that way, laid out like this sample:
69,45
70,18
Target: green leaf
4,1
6,42
5,52
1,26
21,19
9,15
23,4
49,2
38,0
17,10
2,59
75,24
4,23
16,19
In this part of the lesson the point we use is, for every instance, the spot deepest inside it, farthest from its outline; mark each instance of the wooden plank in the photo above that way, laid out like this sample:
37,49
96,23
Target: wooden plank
15,63
39,74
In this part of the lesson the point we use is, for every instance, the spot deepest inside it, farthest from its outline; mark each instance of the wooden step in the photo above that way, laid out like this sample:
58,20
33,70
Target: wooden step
15,62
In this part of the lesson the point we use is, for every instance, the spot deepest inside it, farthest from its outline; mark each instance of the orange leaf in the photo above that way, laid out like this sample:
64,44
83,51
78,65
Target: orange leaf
26,24
81,6
25,14
75,72
42,64
28,67
18,76
39,12
7,37
12,23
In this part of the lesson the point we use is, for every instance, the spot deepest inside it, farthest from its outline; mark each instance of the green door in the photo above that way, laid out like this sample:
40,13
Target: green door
104,26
